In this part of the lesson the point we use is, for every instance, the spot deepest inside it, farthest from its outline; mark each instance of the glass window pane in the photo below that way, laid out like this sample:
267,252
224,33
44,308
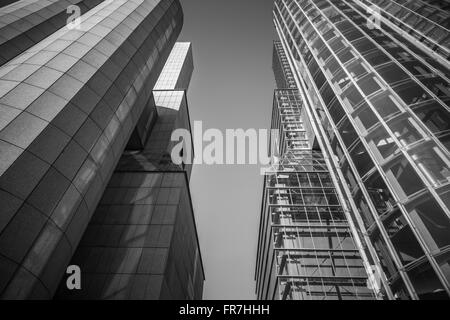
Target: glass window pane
402,238
391,73
411,93
361,159
364,117
369,84
379,193
381,143
348,133
403,177
433,163
405,130
385,104
431,220
357,69
351,97
434,116
426,283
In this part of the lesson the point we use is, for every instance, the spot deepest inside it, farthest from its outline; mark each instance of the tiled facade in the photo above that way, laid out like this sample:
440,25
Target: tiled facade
379,96
25,23
68,106
142,242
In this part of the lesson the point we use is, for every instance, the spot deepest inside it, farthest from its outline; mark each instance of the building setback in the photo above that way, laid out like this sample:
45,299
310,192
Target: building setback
76,107
375,78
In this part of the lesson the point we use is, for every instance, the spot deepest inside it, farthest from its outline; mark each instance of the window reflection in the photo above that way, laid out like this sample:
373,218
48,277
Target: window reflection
431,220
348,132
364,210
440,87
426,283
403,177
411,93
364,117
369,84
444,264
392,74
351,97
336,111
387,263
405,130
379,193
385,104
434,116
361,159
402,238
381,143
433,163
357,69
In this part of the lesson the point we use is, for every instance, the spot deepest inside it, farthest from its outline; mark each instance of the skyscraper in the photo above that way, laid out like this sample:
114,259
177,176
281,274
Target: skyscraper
306,249
85,154
374,78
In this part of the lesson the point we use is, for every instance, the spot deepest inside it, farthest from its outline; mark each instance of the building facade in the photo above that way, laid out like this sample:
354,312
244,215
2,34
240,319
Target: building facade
374,76
77,113
306,248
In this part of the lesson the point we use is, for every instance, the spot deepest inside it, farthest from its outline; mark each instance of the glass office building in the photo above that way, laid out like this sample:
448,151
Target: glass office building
375,78
77,113
306,249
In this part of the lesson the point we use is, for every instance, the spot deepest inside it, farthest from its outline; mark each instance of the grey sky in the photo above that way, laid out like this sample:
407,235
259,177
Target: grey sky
232,87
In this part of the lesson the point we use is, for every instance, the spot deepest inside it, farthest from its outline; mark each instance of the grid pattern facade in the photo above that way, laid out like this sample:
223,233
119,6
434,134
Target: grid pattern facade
141,242
25,23
382,105
426,21
281,69
68,106
173,75
306,249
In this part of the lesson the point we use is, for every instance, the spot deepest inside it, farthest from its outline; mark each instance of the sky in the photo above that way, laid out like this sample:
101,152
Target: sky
232,87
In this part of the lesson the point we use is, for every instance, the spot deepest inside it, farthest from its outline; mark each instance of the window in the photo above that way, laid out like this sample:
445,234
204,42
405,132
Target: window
348,133
327,94
426,283
439,87
434,116
387,263
364,209
403,177
345,55
364,45
385,104
357,69
411,93
351,97
381,143
444,264
432,161
361,159
364,117
369,84
376,58
336,111
341,80
379,193
405,130
392,74
402,238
